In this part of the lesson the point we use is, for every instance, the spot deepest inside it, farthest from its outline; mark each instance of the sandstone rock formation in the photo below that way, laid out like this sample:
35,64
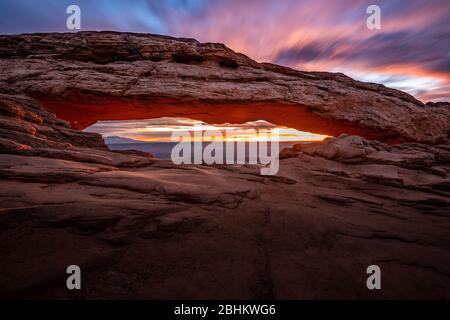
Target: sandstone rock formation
140,227
143,228
90,76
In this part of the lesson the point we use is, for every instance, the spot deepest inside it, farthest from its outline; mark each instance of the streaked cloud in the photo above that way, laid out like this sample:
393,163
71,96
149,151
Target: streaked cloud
411,51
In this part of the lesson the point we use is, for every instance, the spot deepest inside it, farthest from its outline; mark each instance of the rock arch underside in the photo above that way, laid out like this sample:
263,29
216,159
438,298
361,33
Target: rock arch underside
378,192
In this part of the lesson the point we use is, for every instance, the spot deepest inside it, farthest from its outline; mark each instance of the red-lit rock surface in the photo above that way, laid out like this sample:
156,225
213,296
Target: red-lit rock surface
144,228
90,76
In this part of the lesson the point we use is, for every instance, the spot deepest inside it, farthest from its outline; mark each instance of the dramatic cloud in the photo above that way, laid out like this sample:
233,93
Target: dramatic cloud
411,51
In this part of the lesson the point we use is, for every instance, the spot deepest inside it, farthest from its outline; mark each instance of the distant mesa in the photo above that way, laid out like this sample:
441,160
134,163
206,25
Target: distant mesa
119,140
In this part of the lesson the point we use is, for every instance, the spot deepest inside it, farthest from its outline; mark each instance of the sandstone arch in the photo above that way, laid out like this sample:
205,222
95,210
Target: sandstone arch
90,76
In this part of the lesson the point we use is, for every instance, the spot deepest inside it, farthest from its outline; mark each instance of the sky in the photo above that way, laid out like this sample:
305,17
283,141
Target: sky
410,52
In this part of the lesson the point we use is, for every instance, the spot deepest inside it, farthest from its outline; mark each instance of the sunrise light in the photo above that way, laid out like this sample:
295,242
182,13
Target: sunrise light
151,130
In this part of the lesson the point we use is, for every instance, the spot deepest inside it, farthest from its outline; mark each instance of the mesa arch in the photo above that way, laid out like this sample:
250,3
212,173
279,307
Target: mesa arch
89,76
81,115
61,184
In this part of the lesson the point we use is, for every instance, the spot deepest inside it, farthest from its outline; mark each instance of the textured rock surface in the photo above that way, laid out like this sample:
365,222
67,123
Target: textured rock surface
90,76
144,228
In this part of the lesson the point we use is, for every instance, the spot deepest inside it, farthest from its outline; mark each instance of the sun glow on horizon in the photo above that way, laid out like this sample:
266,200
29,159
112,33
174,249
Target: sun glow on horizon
161,129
